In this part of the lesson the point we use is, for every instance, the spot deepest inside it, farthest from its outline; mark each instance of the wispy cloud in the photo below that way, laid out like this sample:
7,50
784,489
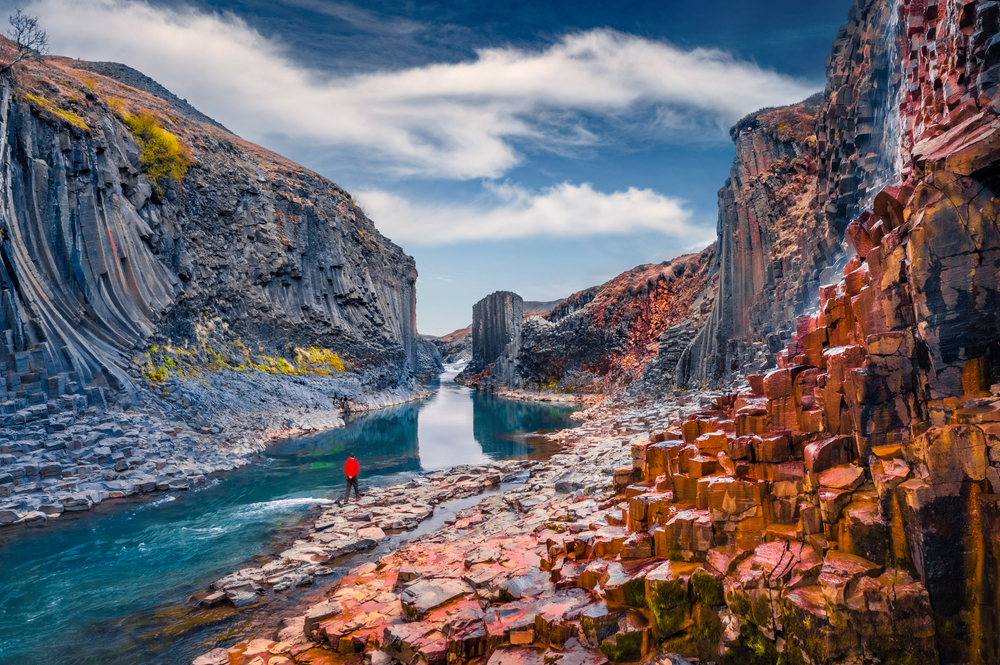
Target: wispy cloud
361,19
472,119
508,211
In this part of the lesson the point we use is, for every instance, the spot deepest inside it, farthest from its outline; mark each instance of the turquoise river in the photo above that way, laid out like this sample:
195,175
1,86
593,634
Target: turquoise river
111,587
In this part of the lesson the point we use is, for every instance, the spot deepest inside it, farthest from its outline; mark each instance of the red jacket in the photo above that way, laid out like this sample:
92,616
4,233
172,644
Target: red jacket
351,467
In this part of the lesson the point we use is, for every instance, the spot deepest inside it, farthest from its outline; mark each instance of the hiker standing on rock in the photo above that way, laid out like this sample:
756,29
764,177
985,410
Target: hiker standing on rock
351,471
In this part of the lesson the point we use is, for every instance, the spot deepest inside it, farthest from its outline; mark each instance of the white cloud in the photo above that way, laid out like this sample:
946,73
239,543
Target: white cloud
464,120
512,212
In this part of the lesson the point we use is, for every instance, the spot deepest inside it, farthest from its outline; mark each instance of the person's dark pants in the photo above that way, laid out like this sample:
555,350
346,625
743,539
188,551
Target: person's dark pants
352,482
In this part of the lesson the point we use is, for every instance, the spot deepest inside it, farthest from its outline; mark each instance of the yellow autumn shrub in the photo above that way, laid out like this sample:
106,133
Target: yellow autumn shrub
163,156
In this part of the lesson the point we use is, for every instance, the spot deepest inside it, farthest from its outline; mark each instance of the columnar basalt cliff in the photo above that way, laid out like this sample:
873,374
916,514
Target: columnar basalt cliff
600,340
858,128
497,320
801,174
774,243
99,261
842,508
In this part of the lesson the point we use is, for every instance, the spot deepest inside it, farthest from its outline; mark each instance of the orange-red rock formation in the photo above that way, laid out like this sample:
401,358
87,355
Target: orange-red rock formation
842,507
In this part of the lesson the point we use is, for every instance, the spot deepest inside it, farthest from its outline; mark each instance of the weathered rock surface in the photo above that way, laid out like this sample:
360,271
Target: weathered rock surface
455,347
839,508
249,300
497,321
774,243
617,549
99,261
801,174
599,340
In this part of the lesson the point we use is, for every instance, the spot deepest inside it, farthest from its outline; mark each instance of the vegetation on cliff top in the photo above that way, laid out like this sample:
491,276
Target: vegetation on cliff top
163,156
68,116
191,361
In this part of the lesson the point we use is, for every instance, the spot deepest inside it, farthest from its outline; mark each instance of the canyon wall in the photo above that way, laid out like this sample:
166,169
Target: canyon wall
248,248
599,340
858,124
876,437
847,502
774,243
800,175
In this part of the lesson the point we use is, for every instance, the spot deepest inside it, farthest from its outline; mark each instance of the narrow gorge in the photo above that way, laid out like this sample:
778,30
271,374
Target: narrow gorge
252,297
782,448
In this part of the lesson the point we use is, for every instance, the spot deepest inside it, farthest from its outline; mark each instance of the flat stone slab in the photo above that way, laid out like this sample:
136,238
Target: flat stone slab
424,596
846,477
371,533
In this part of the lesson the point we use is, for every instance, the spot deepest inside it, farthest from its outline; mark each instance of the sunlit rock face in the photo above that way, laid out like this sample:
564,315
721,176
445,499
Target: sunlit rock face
774,245
599,340
98,261
801,174
897,373
842,507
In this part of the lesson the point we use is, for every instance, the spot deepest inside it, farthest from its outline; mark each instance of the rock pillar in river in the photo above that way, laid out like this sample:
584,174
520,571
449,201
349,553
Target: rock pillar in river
496,331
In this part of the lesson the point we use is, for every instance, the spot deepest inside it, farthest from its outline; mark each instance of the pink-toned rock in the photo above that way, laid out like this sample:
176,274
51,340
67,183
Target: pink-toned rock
371,533
425,595
841,573
213,657
821,455
408,641
845,477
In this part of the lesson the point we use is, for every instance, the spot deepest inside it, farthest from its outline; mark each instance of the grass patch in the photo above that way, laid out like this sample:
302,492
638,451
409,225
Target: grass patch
190,362
116,105
163,156
67,116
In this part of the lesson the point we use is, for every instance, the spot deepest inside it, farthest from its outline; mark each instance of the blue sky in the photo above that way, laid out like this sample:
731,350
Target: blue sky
540,147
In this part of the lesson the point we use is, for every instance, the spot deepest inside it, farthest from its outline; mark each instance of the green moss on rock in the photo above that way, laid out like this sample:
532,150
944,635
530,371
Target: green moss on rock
635,593
706,589
623,647
752,648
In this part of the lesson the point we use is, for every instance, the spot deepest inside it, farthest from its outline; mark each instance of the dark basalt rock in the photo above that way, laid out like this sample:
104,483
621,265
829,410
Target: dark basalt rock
596,341
97,263
801,173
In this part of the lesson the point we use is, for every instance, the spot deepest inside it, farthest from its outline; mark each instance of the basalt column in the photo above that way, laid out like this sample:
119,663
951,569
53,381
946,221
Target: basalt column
496,323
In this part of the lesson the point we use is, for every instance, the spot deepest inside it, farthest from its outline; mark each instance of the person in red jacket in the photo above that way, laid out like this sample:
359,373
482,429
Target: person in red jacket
351,471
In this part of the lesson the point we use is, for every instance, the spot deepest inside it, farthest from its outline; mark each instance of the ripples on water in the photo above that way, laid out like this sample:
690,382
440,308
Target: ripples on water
110,587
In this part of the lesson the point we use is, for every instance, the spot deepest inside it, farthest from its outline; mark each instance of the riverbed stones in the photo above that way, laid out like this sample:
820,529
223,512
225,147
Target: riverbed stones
347,529
318,614
527,572
425,595
214,657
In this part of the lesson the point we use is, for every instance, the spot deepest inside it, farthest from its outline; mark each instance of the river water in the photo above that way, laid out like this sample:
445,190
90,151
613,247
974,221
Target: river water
111,587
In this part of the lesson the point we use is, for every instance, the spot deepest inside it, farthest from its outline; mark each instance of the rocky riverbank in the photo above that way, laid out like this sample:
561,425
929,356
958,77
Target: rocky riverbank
347,528
62,456
584,399
481,580
677,526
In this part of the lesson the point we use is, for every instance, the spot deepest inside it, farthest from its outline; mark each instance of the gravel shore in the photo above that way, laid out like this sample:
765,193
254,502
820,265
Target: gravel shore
64,455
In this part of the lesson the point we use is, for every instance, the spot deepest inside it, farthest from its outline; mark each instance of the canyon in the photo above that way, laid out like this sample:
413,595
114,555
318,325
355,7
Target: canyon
829,494
247,300
797,455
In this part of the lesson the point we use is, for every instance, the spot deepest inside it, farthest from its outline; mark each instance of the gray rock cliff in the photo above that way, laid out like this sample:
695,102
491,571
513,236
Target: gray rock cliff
98,262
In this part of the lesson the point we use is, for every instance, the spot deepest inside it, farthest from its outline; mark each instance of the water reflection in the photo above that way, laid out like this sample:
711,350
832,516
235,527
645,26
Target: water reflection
456,426
109,588
385,443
